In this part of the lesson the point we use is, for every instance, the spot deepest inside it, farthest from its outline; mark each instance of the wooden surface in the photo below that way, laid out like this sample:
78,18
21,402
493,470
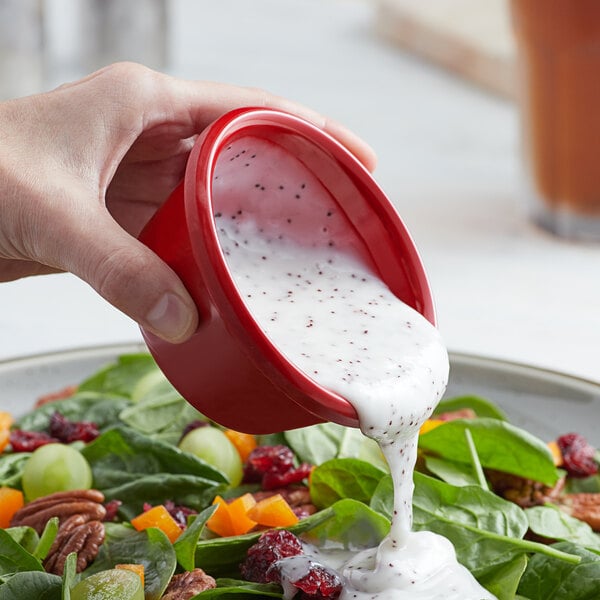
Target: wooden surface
471,38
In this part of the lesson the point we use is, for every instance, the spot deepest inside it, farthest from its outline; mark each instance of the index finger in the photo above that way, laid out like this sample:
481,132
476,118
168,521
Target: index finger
202,102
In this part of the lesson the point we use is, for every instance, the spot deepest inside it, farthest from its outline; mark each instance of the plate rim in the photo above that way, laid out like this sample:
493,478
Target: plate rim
464,358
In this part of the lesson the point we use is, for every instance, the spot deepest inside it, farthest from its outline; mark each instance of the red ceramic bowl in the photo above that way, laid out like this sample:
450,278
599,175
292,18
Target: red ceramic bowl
229,370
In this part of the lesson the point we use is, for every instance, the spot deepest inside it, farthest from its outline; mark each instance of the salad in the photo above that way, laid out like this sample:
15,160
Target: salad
117,488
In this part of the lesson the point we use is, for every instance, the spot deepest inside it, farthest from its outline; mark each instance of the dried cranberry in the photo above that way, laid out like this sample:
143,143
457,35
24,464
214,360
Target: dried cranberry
318,582
271,546
264,459
272,480
578,455
72,431
112,508
28,441
179,513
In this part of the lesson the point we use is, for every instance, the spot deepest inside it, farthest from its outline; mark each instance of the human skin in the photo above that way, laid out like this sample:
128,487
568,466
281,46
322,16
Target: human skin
83,168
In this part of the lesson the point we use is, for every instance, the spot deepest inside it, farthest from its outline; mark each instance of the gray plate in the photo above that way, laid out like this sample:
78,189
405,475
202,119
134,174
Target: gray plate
546,403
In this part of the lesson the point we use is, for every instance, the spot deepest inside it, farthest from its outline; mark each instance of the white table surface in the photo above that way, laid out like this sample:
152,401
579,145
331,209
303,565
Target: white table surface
448,158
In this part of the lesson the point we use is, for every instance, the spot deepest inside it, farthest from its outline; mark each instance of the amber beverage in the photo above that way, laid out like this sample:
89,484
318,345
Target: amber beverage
559,62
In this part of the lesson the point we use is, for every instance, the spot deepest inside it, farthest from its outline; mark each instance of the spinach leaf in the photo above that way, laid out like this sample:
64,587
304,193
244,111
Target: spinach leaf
185,546
486,530
122,455
322,442
153,383
30,585
69,575
552,523
11,468
122,376
151,416
382,500
162,416
102,409
14,558
503,580
46,539
344,478
354,525
475,462
150,548
500,446
481,407
451,471
26,537
238,589
549,579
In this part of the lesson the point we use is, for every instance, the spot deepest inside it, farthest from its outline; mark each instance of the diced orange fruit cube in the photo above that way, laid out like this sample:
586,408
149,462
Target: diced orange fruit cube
556,453
273,511
6,420
243,442
11,501
231,518
238,512
4,439
139,569
159,517
220,520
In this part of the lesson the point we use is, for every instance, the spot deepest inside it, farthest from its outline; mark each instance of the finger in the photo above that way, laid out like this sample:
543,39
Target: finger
161,98
131,277
219,98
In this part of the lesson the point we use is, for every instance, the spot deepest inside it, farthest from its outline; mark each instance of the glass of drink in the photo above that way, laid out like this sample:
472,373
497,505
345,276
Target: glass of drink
559,96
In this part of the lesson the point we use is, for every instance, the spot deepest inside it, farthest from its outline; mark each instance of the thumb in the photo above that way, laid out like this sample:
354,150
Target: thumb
133,279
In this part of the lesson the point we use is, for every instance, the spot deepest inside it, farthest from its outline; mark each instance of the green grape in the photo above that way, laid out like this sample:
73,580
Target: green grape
55,468
114,584
212,446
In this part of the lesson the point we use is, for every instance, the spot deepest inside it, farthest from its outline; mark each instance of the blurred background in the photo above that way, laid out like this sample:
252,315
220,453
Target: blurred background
430,85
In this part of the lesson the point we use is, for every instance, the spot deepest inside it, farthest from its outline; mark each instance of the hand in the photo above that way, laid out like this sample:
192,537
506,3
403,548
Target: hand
83,168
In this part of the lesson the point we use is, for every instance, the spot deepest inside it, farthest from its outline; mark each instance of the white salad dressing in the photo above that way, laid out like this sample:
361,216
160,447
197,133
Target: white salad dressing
306,283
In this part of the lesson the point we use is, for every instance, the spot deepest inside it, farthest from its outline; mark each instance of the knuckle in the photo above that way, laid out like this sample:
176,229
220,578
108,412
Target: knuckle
129,84
128,73
116,275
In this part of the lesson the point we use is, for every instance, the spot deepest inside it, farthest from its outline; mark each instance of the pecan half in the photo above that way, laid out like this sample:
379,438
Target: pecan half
86,503
186,585
521,491
75,534
582,506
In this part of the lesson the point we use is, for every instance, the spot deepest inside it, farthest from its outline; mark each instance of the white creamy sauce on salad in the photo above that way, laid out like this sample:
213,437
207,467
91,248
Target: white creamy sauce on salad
306,283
